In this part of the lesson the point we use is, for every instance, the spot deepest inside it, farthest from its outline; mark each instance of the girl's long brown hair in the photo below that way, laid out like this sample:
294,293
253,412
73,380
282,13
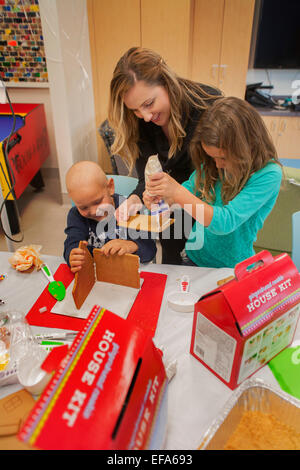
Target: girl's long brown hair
140,64
236,127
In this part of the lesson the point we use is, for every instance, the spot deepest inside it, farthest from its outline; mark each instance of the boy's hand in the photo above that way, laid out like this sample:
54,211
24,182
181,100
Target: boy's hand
129,207
77,258
119,246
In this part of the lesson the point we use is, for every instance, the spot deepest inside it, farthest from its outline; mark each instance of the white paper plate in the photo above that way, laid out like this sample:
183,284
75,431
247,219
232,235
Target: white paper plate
182,301
115,298
31,376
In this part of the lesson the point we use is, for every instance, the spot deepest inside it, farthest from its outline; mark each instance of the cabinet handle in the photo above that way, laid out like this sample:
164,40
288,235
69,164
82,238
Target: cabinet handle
282,127
223,73
213,70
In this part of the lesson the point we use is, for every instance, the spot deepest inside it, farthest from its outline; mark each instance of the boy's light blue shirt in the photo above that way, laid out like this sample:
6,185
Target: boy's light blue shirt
229,238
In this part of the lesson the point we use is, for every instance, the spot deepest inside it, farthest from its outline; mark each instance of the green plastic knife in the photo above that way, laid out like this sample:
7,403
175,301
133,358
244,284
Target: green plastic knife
56,288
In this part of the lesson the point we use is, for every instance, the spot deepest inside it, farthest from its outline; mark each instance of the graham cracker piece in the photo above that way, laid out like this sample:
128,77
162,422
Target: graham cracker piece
146,223
84,279
116,269
14,410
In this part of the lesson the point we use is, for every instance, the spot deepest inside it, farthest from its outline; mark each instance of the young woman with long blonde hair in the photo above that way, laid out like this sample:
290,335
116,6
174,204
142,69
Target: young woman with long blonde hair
153,111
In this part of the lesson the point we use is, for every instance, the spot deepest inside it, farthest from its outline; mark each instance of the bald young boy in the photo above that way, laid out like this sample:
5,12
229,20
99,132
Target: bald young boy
92,219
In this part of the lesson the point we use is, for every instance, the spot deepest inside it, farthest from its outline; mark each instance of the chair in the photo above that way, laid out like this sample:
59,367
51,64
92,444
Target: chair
296,239
108,137
270,237
124,185
119,167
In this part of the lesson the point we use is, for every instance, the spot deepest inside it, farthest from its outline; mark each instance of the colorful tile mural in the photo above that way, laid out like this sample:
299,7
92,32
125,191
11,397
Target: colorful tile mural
22,53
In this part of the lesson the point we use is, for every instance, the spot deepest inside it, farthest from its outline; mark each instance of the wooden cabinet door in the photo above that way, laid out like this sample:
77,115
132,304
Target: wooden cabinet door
236,37
114,27
272,124
207,41
221,43
166,28
288,139
285,132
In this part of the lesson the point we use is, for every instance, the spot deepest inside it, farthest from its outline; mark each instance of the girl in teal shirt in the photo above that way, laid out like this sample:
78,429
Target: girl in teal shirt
233,189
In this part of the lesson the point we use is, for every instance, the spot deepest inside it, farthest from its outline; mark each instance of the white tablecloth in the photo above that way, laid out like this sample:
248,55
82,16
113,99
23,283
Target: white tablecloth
195,395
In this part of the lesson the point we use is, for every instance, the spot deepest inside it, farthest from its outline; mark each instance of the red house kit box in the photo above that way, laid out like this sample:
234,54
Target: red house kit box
240,326
109,392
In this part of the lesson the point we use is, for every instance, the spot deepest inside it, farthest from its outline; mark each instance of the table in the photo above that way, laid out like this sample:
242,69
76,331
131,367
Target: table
195,395
27,150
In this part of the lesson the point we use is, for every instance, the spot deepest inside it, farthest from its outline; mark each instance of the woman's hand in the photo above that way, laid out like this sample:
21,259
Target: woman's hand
129,207
163,186
77,258
119,246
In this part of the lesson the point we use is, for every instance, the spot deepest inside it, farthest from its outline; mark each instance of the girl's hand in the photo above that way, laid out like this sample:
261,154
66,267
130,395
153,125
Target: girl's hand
164,187
119,246
149,200
129,207
77,258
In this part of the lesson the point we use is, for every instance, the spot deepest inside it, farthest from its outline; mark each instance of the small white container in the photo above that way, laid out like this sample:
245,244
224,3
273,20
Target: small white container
31,376
182,301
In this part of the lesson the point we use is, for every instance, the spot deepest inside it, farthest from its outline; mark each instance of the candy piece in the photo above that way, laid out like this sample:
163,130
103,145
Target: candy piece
26,257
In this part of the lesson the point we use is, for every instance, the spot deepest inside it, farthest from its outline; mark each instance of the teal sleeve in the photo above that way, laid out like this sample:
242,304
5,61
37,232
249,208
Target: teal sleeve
261,189
190,183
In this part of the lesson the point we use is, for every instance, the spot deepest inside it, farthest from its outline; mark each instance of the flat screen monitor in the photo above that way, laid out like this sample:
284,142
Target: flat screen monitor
278,35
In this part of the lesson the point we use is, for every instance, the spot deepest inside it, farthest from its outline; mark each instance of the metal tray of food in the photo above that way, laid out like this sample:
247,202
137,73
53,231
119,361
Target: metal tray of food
252,395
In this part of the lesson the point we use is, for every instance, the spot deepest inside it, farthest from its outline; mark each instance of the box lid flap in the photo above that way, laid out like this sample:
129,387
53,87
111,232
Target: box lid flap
263,286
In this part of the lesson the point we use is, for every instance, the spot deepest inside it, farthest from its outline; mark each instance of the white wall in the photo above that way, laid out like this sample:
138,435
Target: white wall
66,39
